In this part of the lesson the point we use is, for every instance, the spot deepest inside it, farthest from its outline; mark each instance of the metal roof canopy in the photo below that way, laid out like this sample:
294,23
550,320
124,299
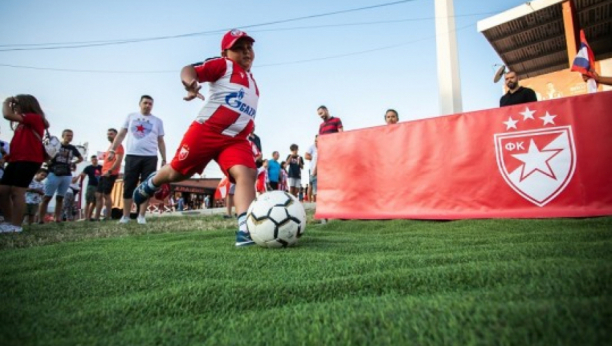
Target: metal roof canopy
531,38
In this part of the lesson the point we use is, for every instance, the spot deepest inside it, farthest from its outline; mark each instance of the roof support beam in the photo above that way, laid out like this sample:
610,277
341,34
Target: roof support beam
570,22
449,84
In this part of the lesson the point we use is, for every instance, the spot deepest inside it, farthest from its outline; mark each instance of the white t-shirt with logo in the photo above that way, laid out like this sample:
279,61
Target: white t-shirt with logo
313,153
143,133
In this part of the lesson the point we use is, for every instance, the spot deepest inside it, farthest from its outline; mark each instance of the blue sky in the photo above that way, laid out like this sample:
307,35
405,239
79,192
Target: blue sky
357,87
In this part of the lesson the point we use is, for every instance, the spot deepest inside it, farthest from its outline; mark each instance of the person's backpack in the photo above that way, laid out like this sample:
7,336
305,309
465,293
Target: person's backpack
51,144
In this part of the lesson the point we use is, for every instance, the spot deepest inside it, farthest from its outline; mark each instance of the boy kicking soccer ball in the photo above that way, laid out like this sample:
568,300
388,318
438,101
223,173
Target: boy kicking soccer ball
221,129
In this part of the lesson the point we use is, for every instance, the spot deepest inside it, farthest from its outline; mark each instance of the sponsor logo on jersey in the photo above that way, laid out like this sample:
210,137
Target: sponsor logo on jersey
234,101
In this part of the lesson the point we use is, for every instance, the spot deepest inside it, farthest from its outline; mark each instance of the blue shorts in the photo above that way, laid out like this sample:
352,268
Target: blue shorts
57,184
313,184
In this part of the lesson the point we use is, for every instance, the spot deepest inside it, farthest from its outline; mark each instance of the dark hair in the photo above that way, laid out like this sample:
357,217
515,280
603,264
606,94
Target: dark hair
42,170
293,147
145,97
112,130
392,110
29,104
322,107
66,130
258,163
274,152
93,157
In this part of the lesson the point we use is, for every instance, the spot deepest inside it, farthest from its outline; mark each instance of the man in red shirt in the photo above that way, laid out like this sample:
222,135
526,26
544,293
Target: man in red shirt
110,172
330,124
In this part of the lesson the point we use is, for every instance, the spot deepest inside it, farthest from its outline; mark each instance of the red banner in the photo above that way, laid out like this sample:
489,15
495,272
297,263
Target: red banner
536,160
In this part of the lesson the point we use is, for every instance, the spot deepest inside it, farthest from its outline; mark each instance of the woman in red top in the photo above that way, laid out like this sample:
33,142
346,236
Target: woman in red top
25,156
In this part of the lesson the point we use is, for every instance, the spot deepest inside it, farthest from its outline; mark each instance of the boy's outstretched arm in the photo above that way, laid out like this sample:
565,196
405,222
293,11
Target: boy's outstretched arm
189,78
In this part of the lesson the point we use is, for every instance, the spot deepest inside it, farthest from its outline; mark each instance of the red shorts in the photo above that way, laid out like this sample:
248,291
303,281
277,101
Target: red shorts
200,145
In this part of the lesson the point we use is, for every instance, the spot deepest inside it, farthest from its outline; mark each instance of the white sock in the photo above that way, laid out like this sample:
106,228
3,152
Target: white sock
151,185
242,224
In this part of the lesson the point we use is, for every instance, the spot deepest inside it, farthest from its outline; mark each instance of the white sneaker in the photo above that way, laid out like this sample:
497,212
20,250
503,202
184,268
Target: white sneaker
141,220
8,228
124,219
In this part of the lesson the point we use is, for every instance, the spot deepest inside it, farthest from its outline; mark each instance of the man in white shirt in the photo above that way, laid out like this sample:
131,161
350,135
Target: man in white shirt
311,155
146,137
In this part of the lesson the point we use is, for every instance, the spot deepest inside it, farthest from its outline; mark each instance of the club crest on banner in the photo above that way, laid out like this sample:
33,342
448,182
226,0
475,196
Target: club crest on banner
535,155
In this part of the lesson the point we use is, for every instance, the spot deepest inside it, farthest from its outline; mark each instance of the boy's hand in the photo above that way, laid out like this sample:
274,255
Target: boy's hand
193,90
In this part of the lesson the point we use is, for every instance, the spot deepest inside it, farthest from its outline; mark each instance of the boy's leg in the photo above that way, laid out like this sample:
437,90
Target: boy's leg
64,184
196,149
166,174
245,194
51,186
59,206
245,187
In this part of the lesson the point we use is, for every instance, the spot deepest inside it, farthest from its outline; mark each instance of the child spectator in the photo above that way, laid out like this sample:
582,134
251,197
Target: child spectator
68,208
296,164
34,195
262,177
25,157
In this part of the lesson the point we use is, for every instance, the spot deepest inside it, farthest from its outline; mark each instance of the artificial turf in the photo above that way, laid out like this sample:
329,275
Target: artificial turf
180,281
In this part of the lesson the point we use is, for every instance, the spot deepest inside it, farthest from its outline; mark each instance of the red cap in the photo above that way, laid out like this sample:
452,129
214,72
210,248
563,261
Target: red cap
231,37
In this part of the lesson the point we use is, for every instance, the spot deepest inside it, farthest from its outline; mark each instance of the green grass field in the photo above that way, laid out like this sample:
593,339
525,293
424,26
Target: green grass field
180,281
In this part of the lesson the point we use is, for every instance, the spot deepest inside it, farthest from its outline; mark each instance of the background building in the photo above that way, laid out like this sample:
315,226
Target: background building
539,40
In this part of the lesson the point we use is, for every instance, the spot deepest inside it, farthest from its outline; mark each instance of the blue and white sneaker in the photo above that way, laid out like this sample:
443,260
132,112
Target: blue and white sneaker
243,239
143,192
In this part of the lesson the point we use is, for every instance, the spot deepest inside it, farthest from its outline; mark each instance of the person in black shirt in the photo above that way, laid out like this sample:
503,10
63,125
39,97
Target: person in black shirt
295,163
516,94
60,176
255,139
93,172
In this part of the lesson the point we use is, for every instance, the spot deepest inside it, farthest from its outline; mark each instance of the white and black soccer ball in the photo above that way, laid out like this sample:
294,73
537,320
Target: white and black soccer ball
276,219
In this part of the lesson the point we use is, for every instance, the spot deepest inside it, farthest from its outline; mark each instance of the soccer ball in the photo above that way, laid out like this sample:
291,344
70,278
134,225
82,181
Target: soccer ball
276,219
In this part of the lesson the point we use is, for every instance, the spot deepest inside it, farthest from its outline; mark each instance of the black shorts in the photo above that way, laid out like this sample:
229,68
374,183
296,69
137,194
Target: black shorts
106,184
274,185
137,168
20,173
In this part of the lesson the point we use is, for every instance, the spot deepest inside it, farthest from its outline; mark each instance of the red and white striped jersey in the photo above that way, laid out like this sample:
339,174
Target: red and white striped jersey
231,105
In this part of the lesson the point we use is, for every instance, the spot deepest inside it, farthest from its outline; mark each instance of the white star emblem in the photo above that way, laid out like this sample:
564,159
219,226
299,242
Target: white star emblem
511,123
527,114
536,160
548,119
